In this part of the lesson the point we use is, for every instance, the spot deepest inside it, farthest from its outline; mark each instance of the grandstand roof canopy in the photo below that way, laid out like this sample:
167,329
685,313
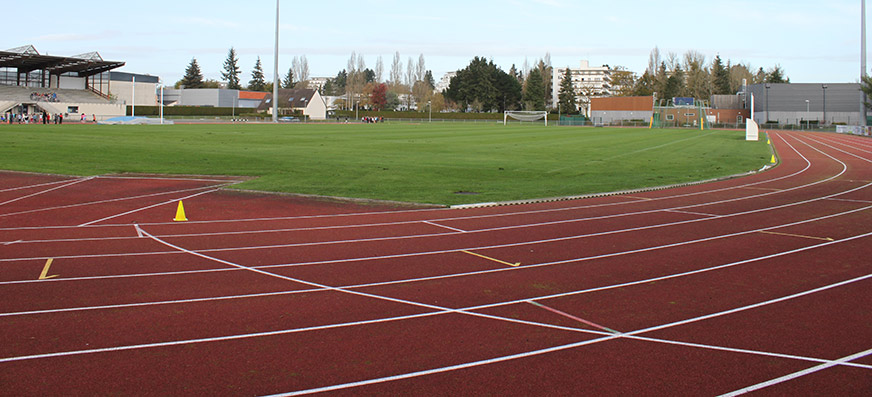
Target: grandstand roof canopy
27,59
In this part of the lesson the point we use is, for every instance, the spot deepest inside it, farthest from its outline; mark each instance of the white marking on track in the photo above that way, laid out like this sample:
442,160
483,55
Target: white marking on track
798,374
47,190
445,227
148,207
106,201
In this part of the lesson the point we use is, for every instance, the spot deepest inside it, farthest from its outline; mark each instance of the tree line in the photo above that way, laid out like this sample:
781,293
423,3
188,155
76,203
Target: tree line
297,76
483,86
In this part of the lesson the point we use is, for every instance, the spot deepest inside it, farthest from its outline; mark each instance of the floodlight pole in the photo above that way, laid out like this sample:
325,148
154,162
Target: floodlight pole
275,98
133,100
863,60
161,103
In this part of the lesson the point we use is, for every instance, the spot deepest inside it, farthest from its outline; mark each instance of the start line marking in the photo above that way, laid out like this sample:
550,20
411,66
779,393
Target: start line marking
798,235
492,259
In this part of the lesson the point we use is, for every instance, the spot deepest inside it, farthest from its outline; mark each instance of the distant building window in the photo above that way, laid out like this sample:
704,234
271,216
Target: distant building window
670,117
72,109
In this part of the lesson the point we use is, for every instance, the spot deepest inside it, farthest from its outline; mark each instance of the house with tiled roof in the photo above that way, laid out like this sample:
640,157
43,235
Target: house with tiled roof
307,101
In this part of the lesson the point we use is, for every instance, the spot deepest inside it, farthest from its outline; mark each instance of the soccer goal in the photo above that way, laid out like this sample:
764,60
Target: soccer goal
525,115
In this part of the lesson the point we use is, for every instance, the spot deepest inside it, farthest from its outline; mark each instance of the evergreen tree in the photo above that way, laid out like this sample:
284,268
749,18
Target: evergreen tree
720,77
231,70
674,84
644,85
288,82
534,91
866,87
257,82
776,75
566,96
482,85
193,77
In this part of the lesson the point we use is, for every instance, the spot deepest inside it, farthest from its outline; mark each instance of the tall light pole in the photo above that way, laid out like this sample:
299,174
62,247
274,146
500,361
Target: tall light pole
863,59
430,108
767,104
275,112
807,114
824,89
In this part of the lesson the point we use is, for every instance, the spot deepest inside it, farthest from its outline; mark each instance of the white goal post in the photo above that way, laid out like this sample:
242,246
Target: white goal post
525,115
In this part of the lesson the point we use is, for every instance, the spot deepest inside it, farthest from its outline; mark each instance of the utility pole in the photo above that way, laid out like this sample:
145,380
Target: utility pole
863,60
275,98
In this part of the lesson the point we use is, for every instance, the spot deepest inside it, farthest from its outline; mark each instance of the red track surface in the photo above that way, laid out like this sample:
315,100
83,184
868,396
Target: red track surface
760,282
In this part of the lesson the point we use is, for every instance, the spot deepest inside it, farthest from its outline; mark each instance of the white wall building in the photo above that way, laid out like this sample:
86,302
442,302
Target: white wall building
443,83
587,81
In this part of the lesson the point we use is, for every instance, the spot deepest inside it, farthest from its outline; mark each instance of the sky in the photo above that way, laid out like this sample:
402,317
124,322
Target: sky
813,41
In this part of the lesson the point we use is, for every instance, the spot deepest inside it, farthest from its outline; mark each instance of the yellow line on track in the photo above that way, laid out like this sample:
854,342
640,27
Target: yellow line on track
799,235
44,275
492,259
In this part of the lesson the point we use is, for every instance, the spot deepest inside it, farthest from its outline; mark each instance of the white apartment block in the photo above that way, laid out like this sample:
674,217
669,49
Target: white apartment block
587,81
443,84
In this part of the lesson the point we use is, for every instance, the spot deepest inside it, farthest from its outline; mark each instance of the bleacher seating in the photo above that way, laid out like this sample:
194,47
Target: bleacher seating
23,95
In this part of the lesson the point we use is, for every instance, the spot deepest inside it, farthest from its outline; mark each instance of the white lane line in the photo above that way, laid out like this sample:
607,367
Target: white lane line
556,348
851,201
12,242
693,213
395,238
12,189
444,311
47,190
431,278
517,213
798,374
148,207
107,201
445,227
138,231
165,178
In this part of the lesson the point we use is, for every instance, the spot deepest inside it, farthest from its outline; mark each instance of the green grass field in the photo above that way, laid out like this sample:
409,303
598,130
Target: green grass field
405,162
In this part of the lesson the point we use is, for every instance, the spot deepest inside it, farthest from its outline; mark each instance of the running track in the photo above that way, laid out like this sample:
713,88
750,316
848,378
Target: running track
762,283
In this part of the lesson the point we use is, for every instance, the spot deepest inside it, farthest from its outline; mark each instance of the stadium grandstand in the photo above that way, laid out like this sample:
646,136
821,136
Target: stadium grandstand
31,83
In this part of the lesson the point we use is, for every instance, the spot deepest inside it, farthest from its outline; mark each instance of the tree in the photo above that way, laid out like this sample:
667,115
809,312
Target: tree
378,98
193,77
697,79
396,70
428,78
534,91
288,81
566,96
300,65
776,75
674,84
866,87
482,85
379,69
720,77
257,82
623,81
231,70
644,86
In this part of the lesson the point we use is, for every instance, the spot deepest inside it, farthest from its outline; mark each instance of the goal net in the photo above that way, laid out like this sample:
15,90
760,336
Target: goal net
522,115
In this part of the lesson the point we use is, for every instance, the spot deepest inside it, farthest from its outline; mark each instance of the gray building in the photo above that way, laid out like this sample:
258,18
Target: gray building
210,97
796,103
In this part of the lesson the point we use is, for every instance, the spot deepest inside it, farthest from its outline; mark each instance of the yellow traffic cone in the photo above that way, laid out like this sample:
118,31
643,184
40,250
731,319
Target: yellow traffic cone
773,162
180,213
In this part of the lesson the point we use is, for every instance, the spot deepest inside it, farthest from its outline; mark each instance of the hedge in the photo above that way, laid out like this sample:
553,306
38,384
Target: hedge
189,111
424,115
